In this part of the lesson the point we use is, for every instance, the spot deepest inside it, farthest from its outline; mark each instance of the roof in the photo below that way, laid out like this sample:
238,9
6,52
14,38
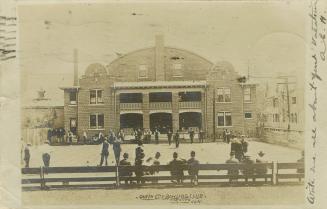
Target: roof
43,104
69,87
159,84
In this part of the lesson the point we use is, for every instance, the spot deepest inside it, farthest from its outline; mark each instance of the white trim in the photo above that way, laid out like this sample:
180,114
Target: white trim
189,110
160,111
122,112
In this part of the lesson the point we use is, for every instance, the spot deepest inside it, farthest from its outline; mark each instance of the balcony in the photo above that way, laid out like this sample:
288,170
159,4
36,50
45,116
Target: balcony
130,106
160,105
190,105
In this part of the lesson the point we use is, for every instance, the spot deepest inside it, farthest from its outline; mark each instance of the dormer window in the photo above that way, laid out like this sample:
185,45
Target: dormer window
143,71
177,70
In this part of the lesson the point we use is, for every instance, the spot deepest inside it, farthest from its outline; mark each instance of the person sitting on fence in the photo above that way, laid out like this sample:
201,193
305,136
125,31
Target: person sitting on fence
238,150
176,169
139,167
104,152
261,159
153,164
193,169
248,170
233,171
27,155
124,172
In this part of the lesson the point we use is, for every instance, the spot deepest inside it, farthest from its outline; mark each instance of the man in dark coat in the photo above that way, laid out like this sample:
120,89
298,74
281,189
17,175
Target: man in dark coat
122,172
169,135
27,155
117,148
176,138
156,136
193,169
104,152
232,171
176,169
191,135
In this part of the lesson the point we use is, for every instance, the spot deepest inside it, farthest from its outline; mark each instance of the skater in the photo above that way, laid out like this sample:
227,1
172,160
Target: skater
46,151
176,138
191,135
104,152
117,148
169,135
201,136
27,155
125,173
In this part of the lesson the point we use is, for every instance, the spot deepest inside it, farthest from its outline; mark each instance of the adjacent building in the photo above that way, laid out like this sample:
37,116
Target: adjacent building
160,87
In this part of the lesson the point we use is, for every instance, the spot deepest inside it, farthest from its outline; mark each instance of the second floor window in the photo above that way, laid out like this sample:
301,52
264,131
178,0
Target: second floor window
223,95
73,98
247,94
143,71
96,96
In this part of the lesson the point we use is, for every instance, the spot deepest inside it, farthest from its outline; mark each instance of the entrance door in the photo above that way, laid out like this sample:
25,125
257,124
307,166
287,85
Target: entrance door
73,125
161,121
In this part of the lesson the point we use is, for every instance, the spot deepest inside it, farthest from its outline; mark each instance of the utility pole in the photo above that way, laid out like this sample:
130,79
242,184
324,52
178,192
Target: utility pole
286,82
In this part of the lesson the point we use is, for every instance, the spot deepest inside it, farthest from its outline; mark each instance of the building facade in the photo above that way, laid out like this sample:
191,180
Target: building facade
160,87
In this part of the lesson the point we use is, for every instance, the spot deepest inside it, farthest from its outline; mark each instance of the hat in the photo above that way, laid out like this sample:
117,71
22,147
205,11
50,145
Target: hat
158,154
125,155
175,155
261,153
192,153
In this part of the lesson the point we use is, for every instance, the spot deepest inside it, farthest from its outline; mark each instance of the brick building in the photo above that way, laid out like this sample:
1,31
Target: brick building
160,87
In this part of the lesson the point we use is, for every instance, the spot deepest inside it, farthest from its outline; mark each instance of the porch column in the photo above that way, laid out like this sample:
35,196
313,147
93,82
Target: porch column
117,112
146,111
175,111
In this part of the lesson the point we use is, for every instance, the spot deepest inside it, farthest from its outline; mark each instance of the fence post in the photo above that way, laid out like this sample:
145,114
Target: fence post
117,176
275,172
42,184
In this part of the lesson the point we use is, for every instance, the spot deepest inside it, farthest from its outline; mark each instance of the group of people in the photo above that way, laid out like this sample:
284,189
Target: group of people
150,166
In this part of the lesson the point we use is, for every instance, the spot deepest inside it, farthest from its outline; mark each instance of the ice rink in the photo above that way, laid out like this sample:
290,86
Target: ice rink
83,155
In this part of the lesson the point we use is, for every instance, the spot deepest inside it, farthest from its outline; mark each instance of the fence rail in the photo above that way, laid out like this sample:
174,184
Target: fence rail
45,178
130,106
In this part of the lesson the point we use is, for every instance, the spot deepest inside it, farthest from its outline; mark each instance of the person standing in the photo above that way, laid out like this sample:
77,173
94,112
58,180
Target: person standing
169,135
139,167
201,135
46,154
156,136
139,149
117,148
193,169
176,138
27,155
228,136
104,152
191,135
70,137
238,150
84,137
244,144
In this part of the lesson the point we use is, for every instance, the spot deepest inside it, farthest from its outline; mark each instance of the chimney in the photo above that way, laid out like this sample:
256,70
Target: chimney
75,67
159,58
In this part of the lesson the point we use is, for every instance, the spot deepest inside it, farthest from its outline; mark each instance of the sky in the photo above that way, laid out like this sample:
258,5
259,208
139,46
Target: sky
266,39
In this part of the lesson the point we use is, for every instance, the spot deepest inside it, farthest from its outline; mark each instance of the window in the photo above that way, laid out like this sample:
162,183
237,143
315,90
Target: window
177,70
96,96
73,98
247,94
143,71
293,100
276,117
248,115
275,102
96,121
223,95
224,119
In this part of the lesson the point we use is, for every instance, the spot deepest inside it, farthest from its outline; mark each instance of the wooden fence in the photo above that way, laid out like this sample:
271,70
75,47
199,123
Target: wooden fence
111,176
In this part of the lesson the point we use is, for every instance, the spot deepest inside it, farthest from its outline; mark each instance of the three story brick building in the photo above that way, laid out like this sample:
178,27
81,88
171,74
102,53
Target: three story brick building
160,87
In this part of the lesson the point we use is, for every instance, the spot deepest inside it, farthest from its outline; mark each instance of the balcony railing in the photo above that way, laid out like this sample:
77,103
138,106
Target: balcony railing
130,106
160,105
190,105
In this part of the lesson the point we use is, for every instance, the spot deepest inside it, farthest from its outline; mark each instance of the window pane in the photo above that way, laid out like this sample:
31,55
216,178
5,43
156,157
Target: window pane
100,96
92,97
221,119
293,100
248,115
227,95
72,97
228,117
93,121
247,94
100,121
220,94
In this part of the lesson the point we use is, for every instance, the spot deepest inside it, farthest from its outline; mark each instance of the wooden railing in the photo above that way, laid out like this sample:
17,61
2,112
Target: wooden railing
130,106
160,105
190,105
